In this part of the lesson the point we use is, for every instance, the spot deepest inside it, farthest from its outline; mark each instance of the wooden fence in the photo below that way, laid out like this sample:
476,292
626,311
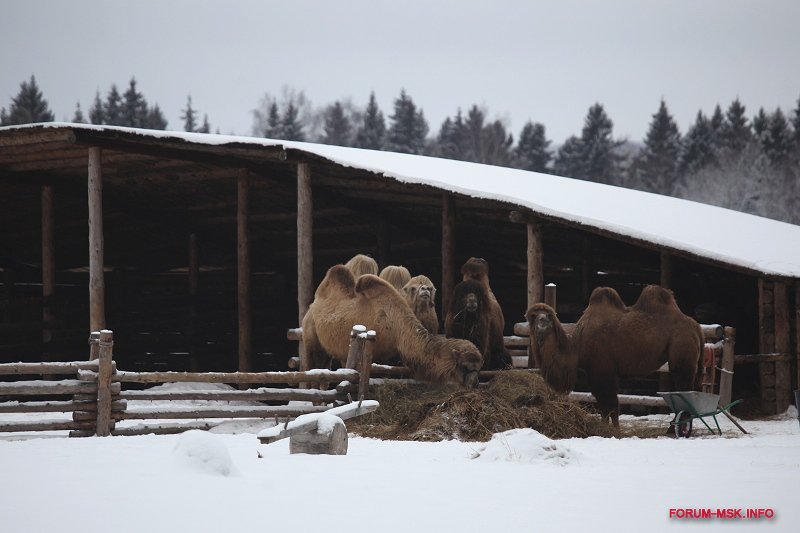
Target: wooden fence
98,395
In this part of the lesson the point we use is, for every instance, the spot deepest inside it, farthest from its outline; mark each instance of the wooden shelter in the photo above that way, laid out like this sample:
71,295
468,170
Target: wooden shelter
200,251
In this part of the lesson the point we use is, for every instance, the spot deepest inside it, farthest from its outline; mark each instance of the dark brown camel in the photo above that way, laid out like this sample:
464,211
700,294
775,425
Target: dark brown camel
614,341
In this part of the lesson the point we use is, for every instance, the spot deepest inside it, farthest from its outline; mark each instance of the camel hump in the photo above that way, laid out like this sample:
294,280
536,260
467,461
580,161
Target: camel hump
606,296
655,298
339,280
475,268
370,286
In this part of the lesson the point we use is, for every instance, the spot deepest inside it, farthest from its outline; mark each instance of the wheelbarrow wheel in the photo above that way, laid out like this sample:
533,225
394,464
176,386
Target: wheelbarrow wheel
683,424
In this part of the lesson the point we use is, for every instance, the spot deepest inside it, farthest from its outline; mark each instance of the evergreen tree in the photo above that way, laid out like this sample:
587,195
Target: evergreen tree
599,161
569,160
337,126
409,128
372,133
155,119
776,141
497,143
796,131
736,133
28,107
189,116
473,135
291,127
112,108
760,123
657,163
134,107
698,150
532,151
273,130
206,127
97,114
77,118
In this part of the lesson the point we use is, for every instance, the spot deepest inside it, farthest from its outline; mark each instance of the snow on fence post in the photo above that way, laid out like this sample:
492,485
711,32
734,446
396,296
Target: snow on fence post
104,421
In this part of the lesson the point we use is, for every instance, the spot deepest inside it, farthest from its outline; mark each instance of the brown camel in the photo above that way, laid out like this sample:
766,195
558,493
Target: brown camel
420,293
612,341
361,264
341,302
470,317
476,268
396,275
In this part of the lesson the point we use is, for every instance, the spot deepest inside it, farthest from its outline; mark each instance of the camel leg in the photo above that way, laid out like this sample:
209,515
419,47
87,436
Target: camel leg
604,388
682,372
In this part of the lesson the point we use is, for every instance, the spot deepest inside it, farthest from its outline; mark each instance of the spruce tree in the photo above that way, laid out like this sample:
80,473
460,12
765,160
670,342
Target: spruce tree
97,114
77,118
598,158
112,108
569,160
28,107
372,133
776,141
206,127
736,132
532,151
189,116
760,123
291,127
698,149
474,133
337,126
796,129
134,107
497,143
155,119
409,128
657,163
273,130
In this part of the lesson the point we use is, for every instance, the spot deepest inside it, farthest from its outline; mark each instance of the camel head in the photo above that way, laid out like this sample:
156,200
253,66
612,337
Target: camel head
551,348
468,362
420,290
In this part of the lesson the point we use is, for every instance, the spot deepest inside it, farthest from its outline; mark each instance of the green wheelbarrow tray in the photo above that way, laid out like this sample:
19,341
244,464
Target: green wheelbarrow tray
689,405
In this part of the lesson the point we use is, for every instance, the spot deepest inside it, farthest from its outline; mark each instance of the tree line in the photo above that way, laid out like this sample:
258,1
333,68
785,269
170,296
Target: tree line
725,158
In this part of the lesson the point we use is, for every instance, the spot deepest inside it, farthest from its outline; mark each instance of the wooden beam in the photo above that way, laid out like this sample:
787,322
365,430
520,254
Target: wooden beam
97,287
448,249
783,369
194,279
666,270
305,250
535,265
243,269
48,263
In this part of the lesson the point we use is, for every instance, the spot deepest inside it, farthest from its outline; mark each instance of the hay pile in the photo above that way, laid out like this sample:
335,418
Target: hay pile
511,400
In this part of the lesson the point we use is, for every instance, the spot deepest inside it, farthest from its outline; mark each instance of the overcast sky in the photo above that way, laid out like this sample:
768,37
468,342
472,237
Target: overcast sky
522,60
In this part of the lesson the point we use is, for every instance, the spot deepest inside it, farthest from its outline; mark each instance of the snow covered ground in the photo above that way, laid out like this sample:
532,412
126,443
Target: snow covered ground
520,481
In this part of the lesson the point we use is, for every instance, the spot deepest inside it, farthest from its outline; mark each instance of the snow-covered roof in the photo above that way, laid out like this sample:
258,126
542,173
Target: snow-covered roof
730,237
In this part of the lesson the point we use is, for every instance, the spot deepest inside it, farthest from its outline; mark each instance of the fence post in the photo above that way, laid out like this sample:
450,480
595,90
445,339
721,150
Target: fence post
104,421
94,346
726,367
366,365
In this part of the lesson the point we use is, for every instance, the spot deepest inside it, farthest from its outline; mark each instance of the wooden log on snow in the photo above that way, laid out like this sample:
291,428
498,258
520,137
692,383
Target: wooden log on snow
54,368
266,411
249,395
624,399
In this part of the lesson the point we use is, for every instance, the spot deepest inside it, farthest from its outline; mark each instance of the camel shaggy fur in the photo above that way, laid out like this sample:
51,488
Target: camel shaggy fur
612,340
396,275
469,317
341,301
361,264
477,269
420,294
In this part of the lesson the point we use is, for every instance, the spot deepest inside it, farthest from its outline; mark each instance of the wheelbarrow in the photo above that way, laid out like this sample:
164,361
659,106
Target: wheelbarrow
691,405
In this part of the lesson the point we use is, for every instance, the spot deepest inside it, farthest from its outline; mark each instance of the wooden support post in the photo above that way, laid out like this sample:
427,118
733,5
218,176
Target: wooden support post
586,270
797,335
783,369
666,270
104,420
48,266
726,364
305,252
194,278
550,295
97,306
448,249
243,270
94,345
535,265
366,365
766,344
